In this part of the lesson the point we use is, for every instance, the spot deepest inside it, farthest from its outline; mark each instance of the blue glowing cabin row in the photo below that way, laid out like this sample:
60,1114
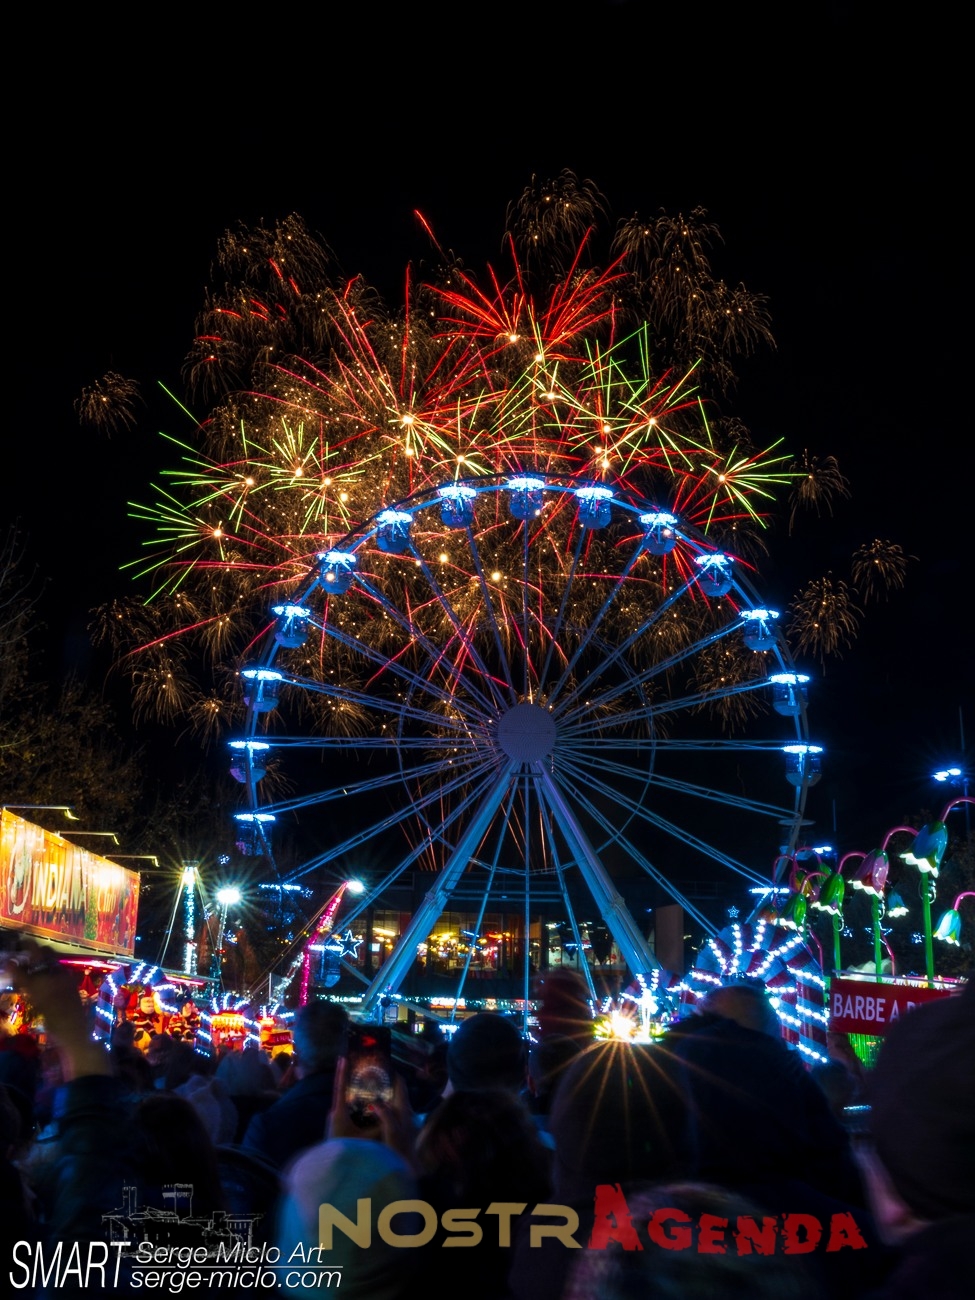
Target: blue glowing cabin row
336,569
525,501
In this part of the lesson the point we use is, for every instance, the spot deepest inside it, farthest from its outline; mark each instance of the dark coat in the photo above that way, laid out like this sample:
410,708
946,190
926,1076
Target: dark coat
294,1122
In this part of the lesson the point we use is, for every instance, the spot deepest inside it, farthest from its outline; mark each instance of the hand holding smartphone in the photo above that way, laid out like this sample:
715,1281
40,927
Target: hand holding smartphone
369,1073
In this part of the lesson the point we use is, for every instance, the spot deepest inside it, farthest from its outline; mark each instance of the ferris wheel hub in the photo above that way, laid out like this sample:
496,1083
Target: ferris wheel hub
526,733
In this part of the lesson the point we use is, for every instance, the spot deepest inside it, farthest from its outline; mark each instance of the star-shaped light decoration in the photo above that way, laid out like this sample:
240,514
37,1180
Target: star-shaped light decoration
350,946
733,912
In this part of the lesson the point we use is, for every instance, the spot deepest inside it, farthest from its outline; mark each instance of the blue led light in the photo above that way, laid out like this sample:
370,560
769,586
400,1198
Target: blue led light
714,573
336,570
456,505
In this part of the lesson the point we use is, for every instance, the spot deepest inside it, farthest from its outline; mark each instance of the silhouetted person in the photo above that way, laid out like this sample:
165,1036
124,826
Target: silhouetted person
759,1116
921,1170
478,1148
620,1118
487,1051
297,1120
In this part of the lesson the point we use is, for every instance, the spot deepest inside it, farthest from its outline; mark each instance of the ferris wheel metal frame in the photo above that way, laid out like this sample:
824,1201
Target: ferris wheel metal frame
511,722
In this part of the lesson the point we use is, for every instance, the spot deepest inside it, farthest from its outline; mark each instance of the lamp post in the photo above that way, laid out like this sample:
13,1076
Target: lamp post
957,777
227,897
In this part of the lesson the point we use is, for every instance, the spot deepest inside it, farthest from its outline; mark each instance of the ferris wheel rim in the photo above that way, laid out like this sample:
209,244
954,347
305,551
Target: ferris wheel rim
357,542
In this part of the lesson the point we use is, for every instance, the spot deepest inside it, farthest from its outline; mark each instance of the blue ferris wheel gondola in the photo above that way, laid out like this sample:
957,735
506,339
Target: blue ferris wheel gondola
659,531
336,569
457,505
393,531
595,506
261,688
292,625
527,495
760,631
715,573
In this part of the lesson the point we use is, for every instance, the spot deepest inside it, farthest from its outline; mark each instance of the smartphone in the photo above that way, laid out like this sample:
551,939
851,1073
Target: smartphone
369,1076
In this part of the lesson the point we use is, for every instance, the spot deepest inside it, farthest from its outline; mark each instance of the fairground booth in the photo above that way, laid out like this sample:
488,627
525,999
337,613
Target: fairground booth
85,907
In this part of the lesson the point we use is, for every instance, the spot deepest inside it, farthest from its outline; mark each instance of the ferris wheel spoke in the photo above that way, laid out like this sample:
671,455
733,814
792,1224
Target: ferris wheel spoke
426,915
687,787
639,807
556,629
526,863
496,637
644,863
581,723
479,923
375,703
410,812
624,930
463,636
569,909
352,788
525,589
449,744
637,680
614,656
392,665
619,585
437,656
418,850
661,823
732,746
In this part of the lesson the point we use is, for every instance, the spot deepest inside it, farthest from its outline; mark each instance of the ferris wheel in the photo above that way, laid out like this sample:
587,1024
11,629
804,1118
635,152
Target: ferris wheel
524,684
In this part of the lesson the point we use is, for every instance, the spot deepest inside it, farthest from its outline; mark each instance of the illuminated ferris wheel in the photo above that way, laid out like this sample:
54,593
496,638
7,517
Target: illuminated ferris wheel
526,685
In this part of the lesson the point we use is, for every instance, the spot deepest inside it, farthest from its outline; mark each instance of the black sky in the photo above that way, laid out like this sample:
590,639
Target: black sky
829,149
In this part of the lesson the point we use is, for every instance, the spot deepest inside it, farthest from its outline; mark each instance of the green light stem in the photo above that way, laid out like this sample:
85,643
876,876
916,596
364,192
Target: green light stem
877,946
837,931
927,890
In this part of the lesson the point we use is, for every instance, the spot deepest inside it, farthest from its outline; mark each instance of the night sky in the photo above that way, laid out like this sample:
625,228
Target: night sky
827,150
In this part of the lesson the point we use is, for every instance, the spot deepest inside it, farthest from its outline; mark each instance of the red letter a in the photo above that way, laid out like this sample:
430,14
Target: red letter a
843,1231
612,1220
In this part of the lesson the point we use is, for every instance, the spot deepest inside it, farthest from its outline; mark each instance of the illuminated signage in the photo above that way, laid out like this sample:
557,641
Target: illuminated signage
865,1007
56,890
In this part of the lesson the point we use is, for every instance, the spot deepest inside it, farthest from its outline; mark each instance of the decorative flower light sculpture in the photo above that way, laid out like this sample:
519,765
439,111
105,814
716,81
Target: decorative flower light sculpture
926,854
949,927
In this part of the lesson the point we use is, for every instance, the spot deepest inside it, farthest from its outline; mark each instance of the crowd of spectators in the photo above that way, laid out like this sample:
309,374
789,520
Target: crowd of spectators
560,1169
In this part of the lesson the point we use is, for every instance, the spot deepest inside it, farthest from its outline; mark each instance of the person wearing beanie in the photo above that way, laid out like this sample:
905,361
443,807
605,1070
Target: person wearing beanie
342,1173
620,1119
487,1051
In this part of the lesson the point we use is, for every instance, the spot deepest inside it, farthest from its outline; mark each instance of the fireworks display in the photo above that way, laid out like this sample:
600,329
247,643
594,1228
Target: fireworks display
331,407
494,554
110,403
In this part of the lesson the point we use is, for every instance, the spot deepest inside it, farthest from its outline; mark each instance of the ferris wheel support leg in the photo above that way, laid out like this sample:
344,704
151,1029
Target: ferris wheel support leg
425,917
613,910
